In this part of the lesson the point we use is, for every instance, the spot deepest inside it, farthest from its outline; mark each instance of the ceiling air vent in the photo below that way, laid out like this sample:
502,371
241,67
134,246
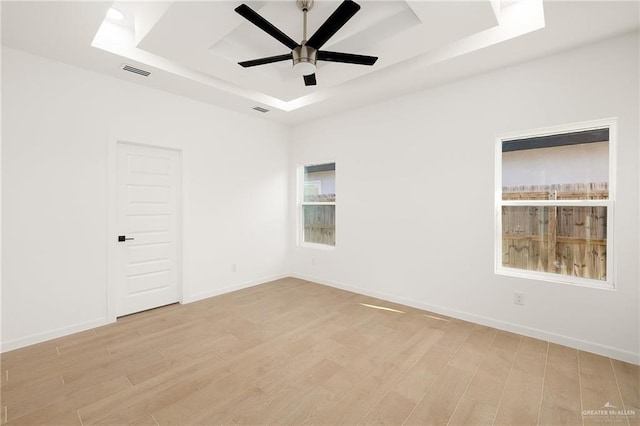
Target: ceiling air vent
135,70
260,109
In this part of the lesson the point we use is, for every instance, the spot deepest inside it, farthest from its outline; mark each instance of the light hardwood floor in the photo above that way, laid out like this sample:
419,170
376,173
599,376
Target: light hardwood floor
294,352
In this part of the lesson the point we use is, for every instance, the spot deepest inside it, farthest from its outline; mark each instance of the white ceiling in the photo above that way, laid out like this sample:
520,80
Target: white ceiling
192,48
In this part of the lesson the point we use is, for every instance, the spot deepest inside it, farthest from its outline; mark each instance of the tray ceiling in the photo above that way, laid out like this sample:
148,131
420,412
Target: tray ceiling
192,48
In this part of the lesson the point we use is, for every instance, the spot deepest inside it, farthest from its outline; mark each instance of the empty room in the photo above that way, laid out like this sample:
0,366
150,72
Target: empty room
326,212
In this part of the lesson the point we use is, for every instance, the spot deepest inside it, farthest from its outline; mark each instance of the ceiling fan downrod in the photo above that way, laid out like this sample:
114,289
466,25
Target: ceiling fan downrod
304,6
304,57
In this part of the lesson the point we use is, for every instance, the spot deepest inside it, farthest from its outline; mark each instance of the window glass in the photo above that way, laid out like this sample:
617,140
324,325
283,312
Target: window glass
577,246
318,207
574,172
554,215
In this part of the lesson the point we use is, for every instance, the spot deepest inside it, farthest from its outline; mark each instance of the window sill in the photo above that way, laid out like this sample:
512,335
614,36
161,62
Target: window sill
555,278
317,246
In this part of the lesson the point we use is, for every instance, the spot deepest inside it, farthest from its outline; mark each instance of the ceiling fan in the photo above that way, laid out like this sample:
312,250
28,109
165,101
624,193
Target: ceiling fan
305,54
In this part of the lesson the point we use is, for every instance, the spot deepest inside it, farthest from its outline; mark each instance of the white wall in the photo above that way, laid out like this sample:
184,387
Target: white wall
421,232
57,122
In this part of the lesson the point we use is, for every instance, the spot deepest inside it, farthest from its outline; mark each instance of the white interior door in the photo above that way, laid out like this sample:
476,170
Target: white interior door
148,203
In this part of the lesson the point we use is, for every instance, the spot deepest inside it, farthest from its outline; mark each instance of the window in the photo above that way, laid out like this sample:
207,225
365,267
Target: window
318,204
554,198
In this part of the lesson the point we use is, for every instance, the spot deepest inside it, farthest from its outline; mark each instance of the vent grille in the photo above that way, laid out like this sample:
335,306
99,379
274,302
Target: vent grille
260,109
135,70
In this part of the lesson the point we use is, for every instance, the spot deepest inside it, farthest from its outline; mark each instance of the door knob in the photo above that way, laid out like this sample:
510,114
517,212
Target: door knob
122,238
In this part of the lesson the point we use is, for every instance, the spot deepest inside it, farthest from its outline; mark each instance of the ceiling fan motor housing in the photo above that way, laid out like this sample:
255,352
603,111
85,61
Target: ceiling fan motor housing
304,58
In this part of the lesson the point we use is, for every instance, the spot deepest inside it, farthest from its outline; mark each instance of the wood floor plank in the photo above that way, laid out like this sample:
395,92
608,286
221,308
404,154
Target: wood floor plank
355,405
394,406
628,377
141,407
222,412
72,397
29,373
344,381
33,360
479,404
262,412
34,355
94,342
295,352
14,392
392,410
419,378
235,382
388,361
145,421
561,392
289,371
92,372
121,401
441,399
306,409
520,402
599,388
65,419
228,391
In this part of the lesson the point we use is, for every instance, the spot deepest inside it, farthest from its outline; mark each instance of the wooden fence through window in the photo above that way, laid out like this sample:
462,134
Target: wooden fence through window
567,240
320,220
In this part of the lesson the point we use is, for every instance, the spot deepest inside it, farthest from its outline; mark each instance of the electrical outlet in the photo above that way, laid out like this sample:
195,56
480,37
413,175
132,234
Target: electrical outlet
313,260
234,268
518,298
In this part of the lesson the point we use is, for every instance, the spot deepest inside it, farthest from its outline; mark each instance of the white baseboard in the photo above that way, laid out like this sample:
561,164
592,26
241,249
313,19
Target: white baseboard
596,348
52,334
229,289
572,342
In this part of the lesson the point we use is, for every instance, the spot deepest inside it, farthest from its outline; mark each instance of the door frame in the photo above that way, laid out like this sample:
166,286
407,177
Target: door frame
112,221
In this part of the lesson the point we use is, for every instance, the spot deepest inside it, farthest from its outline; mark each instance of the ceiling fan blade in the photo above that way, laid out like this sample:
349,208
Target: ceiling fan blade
310,80
267,60
257,20
338,18
348,58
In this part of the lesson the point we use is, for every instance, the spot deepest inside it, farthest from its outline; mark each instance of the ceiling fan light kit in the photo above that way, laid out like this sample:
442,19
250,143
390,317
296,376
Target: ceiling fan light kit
305,55
304,60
